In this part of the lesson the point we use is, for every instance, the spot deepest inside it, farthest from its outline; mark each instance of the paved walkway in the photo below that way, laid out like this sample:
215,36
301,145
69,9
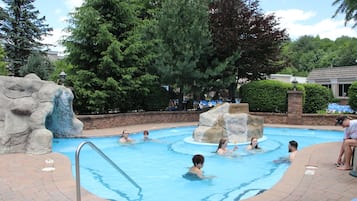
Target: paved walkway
312,176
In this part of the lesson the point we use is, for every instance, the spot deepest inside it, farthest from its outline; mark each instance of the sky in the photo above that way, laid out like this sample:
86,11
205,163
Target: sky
298,17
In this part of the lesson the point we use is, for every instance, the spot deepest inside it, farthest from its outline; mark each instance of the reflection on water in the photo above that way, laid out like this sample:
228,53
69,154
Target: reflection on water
157,166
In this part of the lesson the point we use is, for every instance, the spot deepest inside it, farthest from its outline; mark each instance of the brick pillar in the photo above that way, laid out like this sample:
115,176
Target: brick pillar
295,107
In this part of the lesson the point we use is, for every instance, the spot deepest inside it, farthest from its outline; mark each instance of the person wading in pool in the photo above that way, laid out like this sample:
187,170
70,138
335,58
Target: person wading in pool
125,137
253,144
195,172
222,147
293,149
146,135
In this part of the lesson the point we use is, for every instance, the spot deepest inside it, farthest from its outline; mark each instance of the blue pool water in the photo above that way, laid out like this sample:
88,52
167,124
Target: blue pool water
157,166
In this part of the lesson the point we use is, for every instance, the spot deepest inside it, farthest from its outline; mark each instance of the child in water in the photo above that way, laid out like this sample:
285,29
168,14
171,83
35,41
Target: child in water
195,172
253,144
223,150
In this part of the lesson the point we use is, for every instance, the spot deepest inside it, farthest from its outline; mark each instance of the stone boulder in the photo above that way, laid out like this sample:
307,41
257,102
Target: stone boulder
32,111
231,121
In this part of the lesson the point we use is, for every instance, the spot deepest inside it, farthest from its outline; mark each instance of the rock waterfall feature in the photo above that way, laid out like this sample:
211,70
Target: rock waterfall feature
32,111
231,121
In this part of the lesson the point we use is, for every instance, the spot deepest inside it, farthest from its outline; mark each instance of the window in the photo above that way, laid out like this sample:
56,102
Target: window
343,89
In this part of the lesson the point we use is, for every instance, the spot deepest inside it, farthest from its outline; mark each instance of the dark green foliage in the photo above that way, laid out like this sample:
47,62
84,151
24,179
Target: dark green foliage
2,63
21,31
60,65
271,96
266,95
157,100
308,52
347,7
38,64
185,44
317,98
109,56
352,96
240,28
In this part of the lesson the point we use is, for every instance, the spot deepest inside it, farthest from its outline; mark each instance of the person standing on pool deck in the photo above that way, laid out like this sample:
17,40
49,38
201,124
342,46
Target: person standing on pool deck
349,141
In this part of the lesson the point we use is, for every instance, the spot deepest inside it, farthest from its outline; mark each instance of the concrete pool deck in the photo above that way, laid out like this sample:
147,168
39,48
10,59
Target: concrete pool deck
311,177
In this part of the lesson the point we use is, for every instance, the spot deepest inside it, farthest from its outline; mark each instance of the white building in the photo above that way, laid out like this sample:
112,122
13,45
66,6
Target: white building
287,78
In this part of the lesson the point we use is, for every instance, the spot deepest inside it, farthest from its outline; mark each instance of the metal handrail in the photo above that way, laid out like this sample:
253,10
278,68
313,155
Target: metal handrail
78,182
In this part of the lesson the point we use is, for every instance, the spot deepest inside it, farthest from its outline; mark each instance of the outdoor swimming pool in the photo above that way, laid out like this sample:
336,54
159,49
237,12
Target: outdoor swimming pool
157,166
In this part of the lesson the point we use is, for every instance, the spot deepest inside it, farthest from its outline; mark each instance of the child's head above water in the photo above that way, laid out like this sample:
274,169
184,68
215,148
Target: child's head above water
198,159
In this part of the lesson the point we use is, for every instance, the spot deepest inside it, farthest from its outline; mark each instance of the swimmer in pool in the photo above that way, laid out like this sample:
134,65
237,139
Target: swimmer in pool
253,144
124,138
222,148
146,135
195,172
293,149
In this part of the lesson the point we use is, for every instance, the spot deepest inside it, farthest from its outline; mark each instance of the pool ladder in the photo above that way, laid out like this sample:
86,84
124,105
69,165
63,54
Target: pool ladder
78,180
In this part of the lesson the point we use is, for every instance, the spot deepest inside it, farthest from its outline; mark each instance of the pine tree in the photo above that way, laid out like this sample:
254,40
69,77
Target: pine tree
109,57
185,40
38,64
22,31
2,63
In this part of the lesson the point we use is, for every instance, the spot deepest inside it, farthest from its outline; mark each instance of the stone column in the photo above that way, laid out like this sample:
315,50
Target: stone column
295,107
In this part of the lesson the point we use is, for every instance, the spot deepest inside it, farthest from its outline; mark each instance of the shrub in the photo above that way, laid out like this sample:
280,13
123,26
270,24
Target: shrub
266,95
352,96
317,98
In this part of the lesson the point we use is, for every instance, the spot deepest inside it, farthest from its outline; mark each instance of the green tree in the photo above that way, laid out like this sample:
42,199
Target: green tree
352,96
243,33
347,7
109,57
308,52
59,66
21,31
2,62
345,51
38,64
185,42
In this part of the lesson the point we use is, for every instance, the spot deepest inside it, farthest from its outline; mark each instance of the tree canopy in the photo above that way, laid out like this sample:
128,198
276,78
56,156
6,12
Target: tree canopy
21,32
254,40
38,64
2,63
347,7
185,42
308,52
106,50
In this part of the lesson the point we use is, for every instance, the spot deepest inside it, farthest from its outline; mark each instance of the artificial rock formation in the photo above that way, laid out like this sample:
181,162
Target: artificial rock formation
231,121
32,111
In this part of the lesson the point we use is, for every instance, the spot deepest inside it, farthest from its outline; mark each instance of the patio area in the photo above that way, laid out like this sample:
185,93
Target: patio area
312,176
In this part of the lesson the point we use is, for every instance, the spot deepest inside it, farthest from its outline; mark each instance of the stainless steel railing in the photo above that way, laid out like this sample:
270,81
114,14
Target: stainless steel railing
78,180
